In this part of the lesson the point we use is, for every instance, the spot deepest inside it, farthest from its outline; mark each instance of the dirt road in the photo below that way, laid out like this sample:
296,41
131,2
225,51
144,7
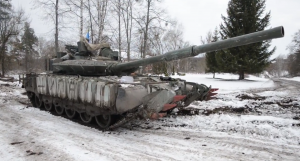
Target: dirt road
28,133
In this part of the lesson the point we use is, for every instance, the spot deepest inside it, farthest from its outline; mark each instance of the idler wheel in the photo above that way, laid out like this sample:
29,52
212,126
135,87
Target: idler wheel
70,113
85,118
48,106
103,121
59,110
38,101
31,97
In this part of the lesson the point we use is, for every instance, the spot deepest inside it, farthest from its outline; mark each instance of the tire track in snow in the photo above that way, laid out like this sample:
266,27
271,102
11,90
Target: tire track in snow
62,139
16,128
139,143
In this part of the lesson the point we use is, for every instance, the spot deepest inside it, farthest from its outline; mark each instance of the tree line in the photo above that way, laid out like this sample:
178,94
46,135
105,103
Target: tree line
288,65
17,39
128,25
139,26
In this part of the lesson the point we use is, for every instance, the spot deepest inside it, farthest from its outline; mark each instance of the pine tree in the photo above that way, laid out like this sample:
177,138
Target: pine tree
28,38
211,61
28,41
245,17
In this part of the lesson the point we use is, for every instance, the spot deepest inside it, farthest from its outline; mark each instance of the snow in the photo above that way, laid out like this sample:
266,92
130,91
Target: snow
126,79
293,79
228,82
247,125
266,130
133,55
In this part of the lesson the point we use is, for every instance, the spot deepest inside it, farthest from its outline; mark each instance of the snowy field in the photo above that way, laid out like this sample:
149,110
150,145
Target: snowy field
252,119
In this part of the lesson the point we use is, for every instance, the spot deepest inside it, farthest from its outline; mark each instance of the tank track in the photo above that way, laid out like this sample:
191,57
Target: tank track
199,92
124,120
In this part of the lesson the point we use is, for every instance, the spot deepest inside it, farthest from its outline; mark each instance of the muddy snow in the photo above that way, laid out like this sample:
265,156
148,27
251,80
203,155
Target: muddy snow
253,119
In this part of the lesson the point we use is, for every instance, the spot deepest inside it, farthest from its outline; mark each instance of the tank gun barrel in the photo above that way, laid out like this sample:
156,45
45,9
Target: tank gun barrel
273,33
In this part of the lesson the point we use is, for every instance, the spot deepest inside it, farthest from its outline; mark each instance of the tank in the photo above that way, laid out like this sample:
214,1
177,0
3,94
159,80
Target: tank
103,89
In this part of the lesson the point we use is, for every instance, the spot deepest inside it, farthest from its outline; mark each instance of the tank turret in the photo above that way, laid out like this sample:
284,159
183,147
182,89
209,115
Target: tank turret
86,67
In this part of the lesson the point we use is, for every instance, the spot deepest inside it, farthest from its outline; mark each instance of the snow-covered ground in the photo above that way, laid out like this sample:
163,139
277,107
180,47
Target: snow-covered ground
228,82
294,79
252,119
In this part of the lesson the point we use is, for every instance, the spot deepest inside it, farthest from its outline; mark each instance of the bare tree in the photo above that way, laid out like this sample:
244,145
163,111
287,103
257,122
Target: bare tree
153,16
148,17
173,40
42,43
92,12
10,25
81,17
157,42
126,14
278,67
167,39
76,10
147,23
295,44
294,57
55,11
101,7
158,48
46,48
91,22
207,39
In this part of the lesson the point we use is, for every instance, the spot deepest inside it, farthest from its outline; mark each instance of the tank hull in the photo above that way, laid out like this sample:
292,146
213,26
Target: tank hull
108,95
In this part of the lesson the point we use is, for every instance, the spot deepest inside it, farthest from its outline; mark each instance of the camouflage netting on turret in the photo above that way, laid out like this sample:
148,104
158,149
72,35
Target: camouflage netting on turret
93,47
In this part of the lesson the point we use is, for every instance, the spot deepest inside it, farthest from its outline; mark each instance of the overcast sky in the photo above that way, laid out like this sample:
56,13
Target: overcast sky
200,16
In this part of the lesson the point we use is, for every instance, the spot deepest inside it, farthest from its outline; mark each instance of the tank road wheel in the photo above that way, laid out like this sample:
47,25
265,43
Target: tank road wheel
38,101
103,121
59,110
85,118
70,113
48,106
